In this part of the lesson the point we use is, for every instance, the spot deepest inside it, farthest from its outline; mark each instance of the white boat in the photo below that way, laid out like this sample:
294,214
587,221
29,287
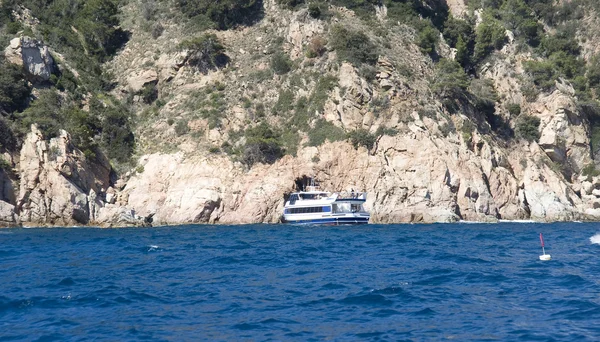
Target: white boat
313,206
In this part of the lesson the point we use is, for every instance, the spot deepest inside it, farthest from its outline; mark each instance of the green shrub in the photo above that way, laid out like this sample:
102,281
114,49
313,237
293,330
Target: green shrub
543,74
490,36
149,93
362,137
66,80
290,140
290,3
514,109
220,86
353,46
285,102
563,41
379,104
590,170
205,52
567,65
459,34
13,27
527,127
517,16
363,8
83,127
181,127
325,130
43,111
427,39
389,131
8,140
316,47
451,81
223,14
467,131
456,29
117,138
14,90
314,9
157,30
281,63
263,145
368,72
593,72
5,165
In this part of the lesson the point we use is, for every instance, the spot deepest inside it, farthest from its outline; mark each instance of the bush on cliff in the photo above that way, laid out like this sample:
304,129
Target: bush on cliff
290,3
45,112
459,35
517,17
528,127
117,138
353,46
82,28
263,145
281,63
325,130
490,36
542,73
362,137
205,52
14,90
222,14
451,81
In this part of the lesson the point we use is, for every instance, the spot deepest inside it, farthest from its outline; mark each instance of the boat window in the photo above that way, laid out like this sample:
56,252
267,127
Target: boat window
341,208
308,210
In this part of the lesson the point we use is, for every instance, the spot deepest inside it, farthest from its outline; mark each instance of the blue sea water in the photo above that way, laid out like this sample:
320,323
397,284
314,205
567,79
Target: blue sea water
458,282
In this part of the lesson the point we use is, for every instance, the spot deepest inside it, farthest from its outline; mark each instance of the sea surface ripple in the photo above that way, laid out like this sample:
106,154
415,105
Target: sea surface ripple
283,282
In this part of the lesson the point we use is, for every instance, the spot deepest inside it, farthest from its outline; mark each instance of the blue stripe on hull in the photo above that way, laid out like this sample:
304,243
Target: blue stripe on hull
333,221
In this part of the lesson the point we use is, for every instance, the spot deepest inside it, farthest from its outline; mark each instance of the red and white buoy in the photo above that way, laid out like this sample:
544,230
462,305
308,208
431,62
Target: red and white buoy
544,256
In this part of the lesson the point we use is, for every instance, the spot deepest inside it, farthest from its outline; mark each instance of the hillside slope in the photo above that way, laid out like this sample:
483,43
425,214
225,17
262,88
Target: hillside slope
439,110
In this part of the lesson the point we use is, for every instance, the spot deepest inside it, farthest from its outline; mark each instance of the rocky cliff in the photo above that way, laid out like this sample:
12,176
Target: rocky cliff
433,165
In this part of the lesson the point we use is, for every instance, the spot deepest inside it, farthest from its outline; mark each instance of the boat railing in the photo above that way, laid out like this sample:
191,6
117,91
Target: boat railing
351,195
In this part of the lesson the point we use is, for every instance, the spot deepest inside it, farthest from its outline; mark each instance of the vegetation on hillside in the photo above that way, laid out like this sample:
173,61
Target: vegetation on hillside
87,33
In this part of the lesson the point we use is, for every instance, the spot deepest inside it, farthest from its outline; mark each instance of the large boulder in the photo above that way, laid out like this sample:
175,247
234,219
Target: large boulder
33,55
563,132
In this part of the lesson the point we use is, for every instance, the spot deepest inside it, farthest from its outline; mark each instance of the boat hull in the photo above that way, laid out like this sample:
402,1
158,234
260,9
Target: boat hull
330,220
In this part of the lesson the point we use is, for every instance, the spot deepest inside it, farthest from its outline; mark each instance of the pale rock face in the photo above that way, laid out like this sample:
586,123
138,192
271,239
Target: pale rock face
302,30
13,52
458,8
409,178
563,134
8,218
349,110
33,55
138,81
177,192
56,181
547,194
415,183
37,60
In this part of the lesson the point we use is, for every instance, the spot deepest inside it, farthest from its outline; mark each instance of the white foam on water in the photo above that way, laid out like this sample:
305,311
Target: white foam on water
595,239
